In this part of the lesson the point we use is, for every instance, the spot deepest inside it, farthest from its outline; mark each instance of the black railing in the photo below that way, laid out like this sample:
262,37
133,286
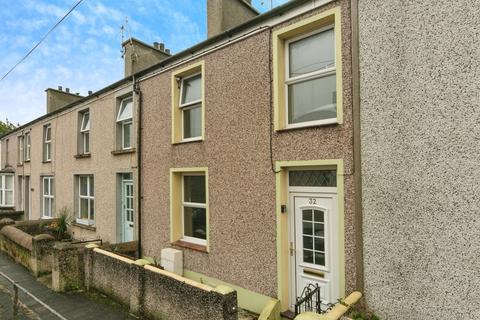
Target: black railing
309,300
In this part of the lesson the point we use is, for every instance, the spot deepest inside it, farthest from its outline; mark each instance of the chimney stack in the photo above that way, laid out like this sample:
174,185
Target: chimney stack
226,14
139,55
90,92
57,99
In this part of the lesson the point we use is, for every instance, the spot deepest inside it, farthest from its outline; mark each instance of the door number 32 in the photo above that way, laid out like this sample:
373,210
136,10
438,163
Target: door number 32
312,201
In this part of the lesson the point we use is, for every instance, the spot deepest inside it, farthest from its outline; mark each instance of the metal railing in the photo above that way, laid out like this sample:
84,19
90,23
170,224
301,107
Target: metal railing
309,300
16,288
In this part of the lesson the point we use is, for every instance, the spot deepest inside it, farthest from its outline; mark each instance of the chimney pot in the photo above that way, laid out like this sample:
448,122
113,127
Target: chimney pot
155,45
77,93
167,51
67,90
90,92
60,88
161,46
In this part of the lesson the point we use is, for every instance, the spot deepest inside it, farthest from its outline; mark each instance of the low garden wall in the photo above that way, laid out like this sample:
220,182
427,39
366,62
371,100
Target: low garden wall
32,251
153,292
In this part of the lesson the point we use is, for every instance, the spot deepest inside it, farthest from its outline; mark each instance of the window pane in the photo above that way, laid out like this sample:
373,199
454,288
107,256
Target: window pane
313,178
307,256
86,142
192,89
84,209
45,187
47,207
320,258
85,121
313,53
319,230
192,122
195,222
92,209
320,244
52,187
127,128
92,187
48,133
312,100
9,182
318,216
125,111
307,228
9,198
307,215
308,242
194,189
84,186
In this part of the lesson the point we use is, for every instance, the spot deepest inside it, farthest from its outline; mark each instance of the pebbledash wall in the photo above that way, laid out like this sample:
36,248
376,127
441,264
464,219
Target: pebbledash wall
420,152
244,240
102,164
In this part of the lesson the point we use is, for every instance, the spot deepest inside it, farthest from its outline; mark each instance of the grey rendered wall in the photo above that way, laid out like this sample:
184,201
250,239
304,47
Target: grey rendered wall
420,71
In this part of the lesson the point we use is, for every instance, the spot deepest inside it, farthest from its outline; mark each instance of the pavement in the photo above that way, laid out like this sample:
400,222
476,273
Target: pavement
71,306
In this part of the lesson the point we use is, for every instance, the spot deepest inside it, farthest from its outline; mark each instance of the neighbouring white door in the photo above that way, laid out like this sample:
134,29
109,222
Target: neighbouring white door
314,244
127,211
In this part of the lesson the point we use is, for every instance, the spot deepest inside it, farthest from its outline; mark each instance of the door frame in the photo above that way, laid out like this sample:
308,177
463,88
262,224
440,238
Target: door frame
283,225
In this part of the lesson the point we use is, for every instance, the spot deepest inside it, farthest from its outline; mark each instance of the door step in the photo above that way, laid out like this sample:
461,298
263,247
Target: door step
288,314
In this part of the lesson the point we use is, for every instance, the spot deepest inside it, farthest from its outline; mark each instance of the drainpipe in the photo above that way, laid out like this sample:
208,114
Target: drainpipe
136,89
357,164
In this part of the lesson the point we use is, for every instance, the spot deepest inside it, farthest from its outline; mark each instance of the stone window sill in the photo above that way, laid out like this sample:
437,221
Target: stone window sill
119,152
82,156
47,161
191,246
84,226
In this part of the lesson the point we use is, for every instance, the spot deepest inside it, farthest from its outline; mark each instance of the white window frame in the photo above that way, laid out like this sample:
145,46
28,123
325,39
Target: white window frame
125,122
47,143
309,76
28,146
193,205
21,149
190,105
4,190
85,133
48,197
88,197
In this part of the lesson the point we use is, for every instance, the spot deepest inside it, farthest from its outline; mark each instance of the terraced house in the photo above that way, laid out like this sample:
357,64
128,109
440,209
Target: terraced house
80,157
240,150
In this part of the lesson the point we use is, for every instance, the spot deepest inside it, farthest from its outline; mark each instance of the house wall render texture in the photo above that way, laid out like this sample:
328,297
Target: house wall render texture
420,125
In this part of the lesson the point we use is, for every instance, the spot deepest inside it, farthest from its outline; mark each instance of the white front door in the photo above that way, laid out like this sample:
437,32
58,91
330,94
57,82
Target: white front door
127,211
313,244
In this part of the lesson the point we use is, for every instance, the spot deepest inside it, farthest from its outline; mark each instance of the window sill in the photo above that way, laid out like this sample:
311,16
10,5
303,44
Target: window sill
120,152
19,165
26,161
84,226
331,123
200,139
47,161
82,156
191,246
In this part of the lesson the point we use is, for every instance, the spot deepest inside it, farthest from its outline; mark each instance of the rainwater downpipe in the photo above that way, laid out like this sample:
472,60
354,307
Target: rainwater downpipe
357,163
138,93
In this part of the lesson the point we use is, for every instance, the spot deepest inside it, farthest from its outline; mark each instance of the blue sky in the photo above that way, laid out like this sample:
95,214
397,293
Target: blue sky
83,53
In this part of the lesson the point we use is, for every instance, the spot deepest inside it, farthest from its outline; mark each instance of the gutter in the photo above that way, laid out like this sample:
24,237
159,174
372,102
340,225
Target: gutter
357,160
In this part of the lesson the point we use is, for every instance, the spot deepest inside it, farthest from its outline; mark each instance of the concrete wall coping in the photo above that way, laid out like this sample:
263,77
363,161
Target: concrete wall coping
21,238
179,278
113,255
